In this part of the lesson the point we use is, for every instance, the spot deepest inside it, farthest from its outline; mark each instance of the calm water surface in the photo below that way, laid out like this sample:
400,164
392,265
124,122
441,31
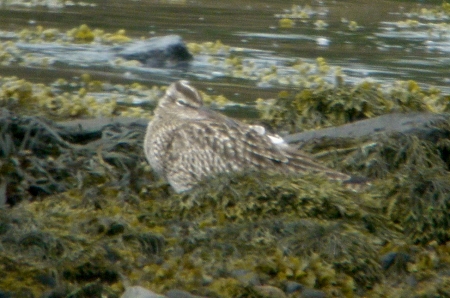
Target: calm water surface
380,49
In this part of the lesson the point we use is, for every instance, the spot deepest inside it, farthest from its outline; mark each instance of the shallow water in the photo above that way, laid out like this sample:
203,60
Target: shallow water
383,47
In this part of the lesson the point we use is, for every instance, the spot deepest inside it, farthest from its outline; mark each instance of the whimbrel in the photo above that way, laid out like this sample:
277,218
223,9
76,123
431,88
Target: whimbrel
186,143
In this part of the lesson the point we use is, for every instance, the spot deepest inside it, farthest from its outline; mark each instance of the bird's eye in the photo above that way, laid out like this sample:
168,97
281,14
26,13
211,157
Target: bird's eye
182,102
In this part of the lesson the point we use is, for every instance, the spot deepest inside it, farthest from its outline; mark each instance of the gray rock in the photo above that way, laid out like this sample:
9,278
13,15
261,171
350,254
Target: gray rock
246,277
165,51
397,259
180,294
311,293
292,287
140,292
270,291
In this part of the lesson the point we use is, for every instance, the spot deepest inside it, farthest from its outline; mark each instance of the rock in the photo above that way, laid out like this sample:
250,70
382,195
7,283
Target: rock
180,294
292,287
397,259
159,52
3,197
5,294
411,280
140,292
311,293
246,277
165,51
270,291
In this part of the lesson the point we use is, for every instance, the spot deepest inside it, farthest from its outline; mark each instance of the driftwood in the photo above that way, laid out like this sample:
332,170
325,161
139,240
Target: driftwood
88,132
409,123
84,130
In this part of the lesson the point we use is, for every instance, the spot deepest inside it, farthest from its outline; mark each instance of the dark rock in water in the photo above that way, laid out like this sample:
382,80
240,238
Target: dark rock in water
165,51
158,52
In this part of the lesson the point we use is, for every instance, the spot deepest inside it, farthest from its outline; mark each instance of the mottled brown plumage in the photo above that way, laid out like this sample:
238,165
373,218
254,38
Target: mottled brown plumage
186,143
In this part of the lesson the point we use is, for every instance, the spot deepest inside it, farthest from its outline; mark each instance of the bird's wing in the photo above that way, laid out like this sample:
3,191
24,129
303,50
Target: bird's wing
230,140
232,146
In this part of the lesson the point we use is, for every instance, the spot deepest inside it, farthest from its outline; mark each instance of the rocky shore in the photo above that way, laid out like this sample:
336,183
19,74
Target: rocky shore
83,216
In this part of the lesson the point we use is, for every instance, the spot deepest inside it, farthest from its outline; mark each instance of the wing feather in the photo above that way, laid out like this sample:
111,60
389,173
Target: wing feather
204,148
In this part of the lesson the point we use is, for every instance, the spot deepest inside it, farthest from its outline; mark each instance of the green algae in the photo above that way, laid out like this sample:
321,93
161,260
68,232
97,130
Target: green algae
286,23
12,54
307,14
412,177
82,99
208,47
80,34
437,12
237,63
328,105
83,34
300,12
327,245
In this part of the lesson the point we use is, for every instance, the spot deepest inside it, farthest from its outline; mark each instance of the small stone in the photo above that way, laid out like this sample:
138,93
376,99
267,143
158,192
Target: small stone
115,228
292,287
311,293
399,259
246,277
270,292
140,292
411,281
5,294
180,294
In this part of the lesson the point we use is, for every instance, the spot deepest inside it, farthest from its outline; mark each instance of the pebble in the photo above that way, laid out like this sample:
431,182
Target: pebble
140,292
246,277
400,259
292,287
311,293
180,294
270,292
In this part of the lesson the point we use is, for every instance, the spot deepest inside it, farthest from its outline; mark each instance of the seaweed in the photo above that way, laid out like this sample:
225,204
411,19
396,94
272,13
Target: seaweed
330,105
85,216
37,161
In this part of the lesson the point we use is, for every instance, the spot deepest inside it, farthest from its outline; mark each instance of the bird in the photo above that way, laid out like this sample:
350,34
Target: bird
186,143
